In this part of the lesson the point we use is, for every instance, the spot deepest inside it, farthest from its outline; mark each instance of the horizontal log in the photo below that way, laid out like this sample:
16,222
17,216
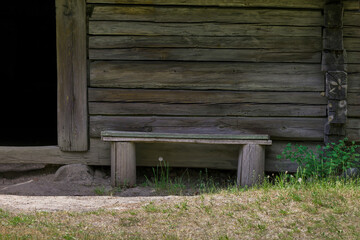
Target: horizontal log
203,97
353,98
352,18
354,110
197,29
352,44
97,155
354,82
210,14
252,42
238,109
207,75
277,128
353,129
353,68
224,3
353,57
353,32
215,55
348,4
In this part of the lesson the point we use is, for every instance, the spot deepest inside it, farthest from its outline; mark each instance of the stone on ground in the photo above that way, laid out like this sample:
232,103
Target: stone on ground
79,173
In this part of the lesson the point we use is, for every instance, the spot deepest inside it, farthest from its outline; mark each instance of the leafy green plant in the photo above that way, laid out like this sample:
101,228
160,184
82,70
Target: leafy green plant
330,160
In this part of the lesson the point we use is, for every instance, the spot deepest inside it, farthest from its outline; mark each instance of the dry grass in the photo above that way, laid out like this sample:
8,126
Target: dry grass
322,210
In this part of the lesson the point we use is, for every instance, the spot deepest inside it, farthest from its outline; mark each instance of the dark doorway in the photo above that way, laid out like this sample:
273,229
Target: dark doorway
29,78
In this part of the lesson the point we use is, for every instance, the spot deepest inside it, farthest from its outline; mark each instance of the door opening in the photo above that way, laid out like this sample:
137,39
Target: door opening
28,98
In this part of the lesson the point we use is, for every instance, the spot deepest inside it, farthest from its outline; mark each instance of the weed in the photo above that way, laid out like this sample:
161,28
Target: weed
331,160
100,191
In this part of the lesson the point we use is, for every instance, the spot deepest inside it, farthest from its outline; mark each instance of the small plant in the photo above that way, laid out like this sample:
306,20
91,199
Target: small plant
100,191
162,181
331,160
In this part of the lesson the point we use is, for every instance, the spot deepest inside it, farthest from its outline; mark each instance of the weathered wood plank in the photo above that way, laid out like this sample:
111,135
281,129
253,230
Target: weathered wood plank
204,97
277,128
252,42
351,4
353,57
123,164
354,110
209,14
223,3
237,109
197,29
251,165
353,98
351,18
99,154
72,85
354,82
353,129
209,75
352,44
195,54
351,32
353,68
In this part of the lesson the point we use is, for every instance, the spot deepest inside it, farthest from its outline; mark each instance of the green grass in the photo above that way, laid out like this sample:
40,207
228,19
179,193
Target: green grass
321,209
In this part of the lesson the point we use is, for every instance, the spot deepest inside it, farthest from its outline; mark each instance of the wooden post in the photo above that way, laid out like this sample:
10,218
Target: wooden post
251,165
334,66
72,81
123,164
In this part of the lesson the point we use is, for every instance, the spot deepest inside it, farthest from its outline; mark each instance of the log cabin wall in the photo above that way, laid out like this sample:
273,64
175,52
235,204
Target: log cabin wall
352,46
209,67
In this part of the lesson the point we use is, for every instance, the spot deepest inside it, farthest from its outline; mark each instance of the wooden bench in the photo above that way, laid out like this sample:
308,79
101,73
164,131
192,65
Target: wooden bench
251,161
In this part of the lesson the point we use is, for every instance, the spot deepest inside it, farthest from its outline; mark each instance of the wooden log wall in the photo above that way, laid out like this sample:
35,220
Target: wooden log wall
352,46
209,67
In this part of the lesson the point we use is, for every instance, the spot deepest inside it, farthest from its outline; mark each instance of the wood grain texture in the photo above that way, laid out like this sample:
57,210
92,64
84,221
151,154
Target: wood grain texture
238,109
203,97
120,136
354,82
353,129
163,14
353,111
98,154
353,57
352,44
277,128
237,3
214,55
197,29
352,18
72,75
123,164
351,31
251,165
209,75
253,42
353,98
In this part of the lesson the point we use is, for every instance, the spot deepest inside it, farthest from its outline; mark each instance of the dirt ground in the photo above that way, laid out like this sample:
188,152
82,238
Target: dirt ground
38,191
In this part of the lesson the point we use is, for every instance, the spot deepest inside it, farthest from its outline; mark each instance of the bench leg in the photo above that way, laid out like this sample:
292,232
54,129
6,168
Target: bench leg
123,164
251,165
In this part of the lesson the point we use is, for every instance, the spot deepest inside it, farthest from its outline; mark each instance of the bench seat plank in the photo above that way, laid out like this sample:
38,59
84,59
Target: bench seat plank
118,136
